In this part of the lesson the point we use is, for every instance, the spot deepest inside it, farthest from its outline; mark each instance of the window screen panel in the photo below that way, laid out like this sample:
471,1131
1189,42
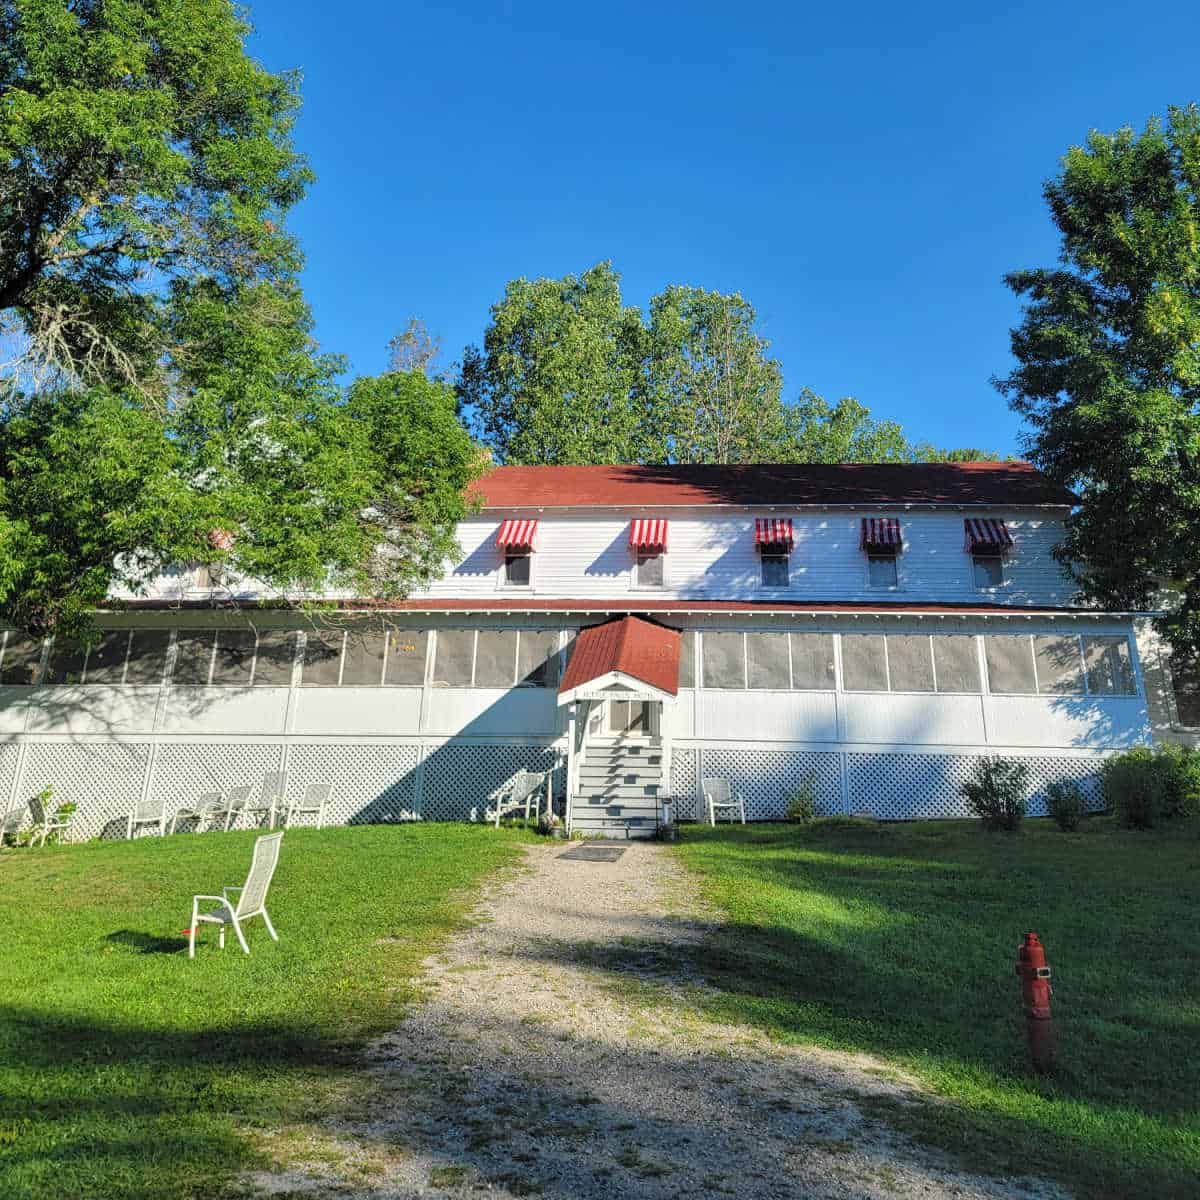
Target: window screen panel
650,570
276,652
517,569
724,660
22,659
1059,667
1009,664
235,657
193,656
767,661
66,661
363,658
956,662
775,570
537,662
322,658
147,656
881,570
1109,667
687,659
1185,684
813,667
864,668
406,657
453,658
106,660
496,658
910,662
989,572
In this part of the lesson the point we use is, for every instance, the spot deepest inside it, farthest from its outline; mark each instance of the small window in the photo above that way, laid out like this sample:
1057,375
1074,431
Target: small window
724,660
147,656
649,569
363,666
193,657
989,571
322,665
910,663
454,657
767,661
864,662
1185,683
1109,667
537,658
1009,664
406,657
235,657
517,570
496,658
813,668
276,653
956,662
881,571
774,570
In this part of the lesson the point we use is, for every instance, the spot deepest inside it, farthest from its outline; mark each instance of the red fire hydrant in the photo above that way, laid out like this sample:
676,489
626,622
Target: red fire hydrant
1035,997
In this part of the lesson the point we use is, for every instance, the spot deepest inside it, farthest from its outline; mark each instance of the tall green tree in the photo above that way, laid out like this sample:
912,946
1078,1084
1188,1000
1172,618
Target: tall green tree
1108,364
557,376
820,432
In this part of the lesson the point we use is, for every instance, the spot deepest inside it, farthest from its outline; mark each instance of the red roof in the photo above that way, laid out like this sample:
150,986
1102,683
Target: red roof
884,485
637,648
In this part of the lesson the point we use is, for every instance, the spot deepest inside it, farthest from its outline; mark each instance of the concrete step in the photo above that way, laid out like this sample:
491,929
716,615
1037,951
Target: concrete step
602,775
614,807
606,754
647,793
612,829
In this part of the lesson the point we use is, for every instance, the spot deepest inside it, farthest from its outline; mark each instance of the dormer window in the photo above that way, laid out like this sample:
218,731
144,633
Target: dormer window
987,541
774,539
648,541
515,542
881,541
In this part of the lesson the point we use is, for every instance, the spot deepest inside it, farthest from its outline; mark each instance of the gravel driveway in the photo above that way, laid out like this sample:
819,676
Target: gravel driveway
561,1055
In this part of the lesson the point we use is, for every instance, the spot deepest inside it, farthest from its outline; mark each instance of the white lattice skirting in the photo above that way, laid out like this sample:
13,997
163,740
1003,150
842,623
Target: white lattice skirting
386,781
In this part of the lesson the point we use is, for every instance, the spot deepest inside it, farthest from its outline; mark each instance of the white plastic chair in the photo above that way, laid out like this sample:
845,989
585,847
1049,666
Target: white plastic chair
202,811
718,796
251,903
271,799
44,823
312,804
13,821
233,805
522,796
148,812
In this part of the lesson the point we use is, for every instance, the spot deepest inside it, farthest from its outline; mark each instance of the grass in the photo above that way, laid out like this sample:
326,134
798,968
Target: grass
129,1072
900,941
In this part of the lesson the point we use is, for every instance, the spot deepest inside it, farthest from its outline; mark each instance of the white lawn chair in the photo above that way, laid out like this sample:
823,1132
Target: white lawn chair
44,823
202,811
234,804
523,795
148,812
271,800
312,804
251,903
13,821
719,797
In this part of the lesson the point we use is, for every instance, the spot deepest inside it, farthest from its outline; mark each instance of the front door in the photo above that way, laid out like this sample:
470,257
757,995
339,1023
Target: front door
629,718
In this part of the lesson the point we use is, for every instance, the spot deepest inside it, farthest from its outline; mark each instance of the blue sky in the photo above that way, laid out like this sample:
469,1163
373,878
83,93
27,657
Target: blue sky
864,174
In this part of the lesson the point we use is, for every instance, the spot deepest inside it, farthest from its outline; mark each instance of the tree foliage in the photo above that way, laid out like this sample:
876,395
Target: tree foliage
570,374
1108,364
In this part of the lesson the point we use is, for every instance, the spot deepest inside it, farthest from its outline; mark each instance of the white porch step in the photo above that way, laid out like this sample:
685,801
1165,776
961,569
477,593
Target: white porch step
612,828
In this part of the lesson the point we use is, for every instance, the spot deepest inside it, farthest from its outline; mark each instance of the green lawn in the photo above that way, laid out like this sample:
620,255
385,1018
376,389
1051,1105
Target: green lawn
128,1071
901,941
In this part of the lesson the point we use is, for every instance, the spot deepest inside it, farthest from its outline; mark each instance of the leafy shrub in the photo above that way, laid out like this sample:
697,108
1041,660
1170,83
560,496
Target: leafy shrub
1065,802
1143,786
997,793
549,824
800,804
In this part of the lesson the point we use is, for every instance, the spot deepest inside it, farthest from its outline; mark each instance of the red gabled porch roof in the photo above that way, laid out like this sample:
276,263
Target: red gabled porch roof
631,646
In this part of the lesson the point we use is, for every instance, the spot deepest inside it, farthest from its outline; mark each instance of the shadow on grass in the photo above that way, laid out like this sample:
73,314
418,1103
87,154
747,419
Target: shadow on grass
147,943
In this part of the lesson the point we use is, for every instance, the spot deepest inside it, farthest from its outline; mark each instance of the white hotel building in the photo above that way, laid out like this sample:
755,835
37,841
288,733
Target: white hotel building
871,629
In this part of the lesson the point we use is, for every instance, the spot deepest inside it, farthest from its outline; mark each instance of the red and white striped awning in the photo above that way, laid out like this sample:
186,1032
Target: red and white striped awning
774,534
881,535
986,535
648,535
514,537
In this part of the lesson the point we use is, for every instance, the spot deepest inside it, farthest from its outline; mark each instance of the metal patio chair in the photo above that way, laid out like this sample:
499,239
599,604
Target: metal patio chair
44,822
522,795
148,812
271,802
251,902
719,797
313,803
234,804
206,806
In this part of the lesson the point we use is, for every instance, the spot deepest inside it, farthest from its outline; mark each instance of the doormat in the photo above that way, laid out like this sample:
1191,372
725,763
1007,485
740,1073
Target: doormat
595,853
